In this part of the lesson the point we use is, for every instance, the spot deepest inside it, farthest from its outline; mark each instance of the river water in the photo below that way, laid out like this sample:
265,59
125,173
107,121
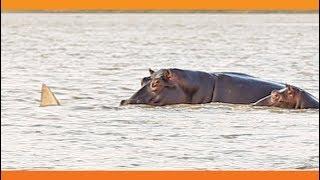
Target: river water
93,61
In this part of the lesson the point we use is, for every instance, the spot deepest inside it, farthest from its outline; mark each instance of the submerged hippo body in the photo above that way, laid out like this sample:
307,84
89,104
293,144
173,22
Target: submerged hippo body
176,86
167,96
289,97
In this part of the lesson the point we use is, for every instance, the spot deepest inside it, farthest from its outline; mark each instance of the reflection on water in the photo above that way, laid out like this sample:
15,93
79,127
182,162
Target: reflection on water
92,61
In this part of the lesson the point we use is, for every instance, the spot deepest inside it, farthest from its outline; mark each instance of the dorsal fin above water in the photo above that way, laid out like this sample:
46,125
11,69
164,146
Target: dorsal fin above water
47,97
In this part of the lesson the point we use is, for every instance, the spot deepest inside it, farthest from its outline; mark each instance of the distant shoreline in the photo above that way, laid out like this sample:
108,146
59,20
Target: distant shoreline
169,11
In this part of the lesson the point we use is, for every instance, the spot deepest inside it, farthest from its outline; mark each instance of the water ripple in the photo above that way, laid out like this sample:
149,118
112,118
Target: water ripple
93,61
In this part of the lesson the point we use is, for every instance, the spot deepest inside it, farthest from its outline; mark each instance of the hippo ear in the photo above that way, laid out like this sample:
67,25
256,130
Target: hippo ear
151,71
167,74
290,88
275,94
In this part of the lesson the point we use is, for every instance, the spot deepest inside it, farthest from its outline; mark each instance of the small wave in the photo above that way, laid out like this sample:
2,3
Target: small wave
32,132
82,97
307,166
234,136
109,69
283,110
83,107
46,125
110,107
126,88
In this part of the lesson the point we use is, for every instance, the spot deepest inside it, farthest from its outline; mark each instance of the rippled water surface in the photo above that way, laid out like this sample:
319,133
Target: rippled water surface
92,61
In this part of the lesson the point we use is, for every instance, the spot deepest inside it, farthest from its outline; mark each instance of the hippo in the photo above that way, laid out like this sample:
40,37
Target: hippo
158,93
290,97
177,86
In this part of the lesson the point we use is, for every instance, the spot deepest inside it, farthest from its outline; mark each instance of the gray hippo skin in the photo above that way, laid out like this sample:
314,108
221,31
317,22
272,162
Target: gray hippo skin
197,87
290,97
157,93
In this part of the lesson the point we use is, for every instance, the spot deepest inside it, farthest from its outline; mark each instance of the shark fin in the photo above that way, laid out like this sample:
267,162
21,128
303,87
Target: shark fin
47,97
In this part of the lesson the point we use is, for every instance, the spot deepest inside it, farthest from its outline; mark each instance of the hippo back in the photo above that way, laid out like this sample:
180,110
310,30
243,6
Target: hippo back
238,88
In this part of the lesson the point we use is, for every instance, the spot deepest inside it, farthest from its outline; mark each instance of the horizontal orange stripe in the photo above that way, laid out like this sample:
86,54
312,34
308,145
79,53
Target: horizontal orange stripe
159,175
73,5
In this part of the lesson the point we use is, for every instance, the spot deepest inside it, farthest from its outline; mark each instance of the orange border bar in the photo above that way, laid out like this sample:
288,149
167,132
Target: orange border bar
159,175
95,5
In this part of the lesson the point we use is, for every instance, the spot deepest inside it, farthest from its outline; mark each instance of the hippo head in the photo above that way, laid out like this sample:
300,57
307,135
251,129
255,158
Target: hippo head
157,90
284,98
163,74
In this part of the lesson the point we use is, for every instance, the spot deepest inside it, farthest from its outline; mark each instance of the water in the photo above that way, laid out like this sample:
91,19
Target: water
93,61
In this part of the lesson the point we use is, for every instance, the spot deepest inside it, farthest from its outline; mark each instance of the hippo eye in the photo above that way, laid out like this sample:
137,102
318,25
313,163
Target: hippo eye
155,83
276,96
290,93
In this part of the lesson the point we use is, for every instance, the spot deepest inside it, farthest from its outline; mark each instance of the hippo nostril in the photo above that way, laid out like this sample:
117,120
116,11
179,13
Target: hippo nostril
123,102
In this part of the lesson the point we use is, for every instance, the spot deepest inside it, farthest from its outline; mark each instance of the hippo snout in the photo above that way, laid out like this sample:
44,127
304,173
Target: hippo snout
266,101
129,101
123,102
